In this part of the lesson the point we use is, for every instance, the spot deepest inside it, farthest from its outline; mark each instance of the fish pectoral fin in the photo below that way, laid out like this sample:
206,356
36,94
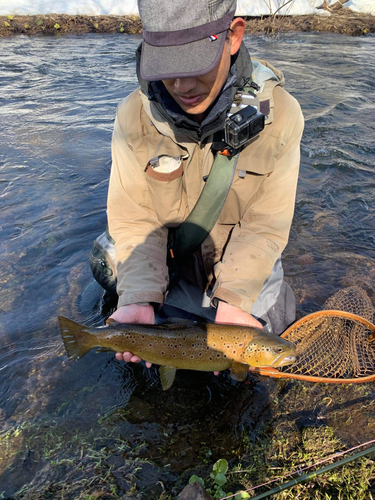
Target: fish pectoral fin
167,376
238,371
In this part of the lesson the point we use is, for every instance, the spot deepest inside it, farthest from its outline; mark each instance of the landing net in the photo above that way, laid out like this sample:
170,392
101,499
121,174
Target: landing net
334,345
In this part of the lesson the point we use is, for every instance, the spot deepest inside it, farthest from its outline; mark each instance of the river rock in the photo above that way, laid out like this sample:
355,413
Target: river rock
194,491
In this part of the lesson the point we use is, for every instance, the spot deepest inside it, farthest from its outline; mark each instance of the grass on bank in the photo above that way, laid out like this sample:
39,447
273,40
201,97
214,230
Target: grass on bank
340,20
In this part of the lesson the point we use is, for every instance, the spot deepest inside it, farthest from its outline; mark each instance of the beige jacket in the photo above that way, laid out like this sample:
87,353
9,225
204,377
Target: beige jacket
253,228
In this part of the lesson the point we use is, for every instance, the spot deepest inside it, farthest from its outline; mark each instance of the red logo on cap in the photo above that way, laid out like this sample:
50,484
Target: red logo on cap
212,38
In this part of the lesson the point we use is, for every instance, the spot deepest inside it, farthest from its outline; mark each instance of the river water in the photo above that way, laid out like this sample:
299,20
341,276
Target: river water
58,99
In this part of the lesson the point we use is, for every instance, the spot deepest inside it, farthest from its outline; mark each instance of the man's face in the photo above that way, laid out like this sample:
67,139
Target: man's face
196,94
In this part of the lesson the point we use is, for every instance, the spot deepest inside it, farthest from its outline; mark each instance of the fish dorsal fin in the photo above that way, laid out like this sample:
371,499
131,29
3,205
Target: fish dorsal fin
111,322
167,376
239,371
178,324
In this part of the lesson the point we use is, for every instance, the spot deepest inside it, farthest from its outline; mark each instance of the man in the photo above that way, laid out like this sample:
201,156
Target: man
190,66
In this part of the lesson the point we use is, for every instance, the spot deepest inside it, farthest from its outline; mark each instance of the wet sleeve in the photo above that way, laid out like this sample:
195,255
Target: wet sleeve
140,239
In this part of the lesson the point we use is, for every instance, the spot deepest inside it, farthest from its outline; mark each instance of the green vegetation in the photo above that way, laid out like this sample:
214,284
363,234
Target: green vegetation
347,482
81,447
218,475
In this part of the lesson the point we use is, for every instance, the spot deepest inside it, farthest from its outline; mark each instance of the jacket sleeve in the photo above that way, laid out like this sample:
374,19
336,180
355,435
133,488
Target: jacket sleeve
258,240
140,239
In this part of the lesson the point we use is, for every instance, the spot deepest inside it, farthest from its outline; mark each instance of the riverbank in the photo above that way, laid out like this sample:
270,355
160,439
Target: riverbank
341,20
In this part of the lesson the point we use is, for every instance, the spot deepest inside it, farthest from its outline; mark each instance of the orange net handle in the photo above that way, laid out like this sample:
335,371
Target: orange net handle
275,373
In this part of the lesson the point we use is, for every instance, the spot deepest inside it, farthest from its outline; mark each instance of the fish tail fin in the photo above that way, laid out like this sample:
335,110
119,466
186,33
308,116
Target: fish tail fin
76,338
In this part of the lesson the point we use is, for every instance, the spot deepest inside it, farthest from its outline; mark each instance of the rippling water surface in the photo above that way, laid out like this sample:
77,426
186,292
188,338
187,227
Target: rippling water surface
58,99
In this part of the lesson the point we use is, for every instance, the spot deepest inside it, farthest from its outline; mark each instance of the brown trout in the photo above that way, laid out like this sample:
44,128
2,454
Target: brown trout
184,344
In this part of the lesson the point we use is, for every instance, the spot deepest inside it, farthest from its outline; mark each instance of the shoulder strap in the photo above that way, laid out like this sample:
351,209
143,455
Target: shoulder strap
187,237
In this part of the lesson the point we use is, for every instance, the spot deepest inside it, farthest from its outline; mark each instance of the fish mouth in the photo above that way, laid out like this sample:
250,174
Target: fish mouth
288,360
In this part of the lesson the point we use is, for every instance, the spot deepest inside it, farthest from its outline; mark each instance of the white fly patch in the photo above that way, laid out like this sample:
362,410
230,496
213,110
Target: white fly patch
165,164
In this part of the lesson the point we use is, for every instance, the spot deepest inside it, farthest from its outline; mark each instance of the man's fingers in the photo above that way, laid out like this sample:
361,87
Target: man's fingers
130,358
127,356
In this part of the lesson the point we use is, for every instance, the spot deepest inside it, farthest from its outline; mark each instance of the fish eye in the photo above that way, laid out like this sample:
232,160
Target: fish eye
279,349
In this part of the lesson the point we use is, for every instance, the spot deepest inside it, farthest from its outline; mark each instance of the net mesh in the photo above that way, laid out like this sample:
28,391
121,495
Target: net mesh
332,346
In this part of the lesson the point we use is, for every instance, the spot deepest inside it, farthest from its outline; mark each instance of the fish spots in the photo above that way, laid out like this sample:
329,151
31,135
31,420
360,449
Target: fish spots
218,355
192,345
240,345
191,356
142,336
183,353
211,358
162,352
174,356
200,354
150,344
234,352
133,341
224,355
213,345
207,348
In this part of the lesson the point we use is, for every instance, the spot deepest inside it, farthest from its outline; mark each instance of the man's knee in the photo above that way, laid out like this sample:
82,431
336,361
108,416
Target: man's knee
283,312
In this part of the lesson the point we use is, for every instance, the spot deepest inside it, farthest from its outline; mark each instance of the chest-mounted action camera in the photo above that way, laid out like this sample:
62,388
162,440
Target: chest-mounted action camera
244,121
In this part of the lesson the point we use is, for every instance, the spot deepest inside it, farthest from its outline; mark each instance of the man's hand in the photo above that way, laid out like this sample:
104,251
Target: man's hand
133,314
230,315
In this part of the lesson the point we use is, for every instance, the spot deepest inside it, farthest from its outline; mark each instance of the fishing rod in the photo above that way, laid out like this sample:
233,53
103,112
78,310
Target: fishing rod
312,475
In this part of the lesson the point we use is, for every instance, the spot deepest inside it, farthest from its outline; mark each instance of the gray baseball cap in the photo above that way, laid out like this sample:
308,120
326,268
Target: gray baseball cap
183,38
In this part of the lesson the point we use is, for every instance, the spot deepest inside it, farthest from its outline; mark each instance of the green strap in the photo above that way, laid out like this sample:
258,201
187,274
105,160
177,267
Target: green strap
187,237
